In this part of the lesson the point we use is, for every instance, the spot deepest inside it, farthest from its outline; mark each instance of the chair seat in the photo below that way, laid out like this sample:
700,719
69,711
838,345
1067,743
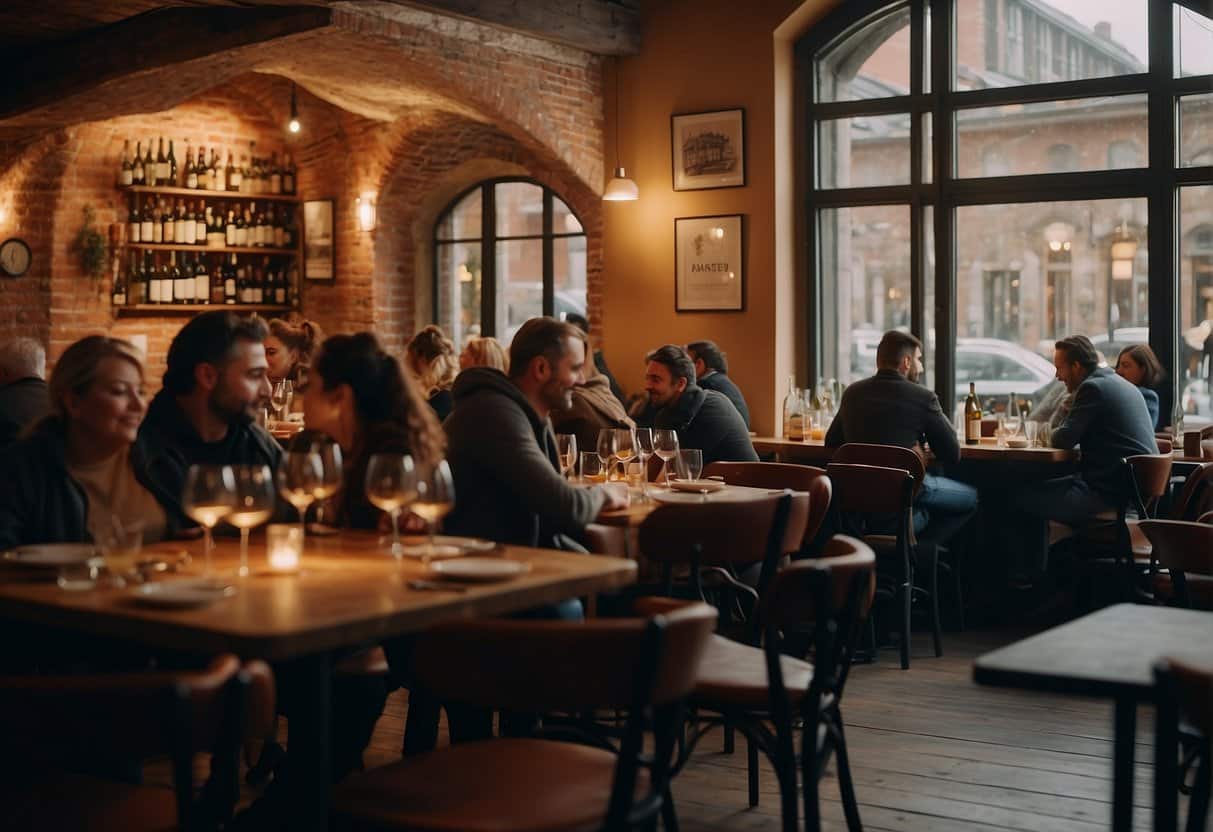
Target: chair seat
60,800
369,662
489,786
733,674
1200,589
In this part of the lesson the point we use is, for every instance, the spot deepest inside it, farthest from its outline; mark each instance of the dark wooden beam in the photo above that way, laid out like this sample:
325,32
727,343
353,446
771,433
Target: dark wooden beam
52,72
603,27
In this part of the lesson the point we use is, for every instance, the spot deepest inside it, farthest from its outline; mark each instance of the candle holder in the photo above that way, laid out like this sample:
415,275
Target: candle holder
283,548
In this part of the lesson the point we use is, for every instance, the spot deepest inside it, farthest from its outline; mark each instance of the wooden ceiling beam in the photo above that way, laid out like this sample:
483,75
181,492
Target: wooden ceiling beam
603,27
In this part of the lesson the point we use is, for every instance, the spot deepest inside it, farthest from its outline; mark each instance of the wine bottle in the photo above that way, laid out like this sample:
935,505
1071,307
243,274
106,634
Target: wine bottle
972,417
216,294
288,175
218,175
161,165
229,281
200,224
275,174
178,220
280,288
793,412
137,166
154,284
132,222
258,286
242,228
171,170
146,234
233,173
158,223
149,166
118,294
191,170
202,282
126,172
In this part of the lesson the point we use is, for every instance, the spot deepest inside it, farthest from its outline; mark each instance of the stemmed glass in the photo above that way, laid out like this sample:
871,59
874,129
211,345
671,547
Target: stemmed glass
391,485
253,506
625,447
644,450
566,447
330,481
299,475
606,449
209,495
281,397
665,445
1013,420
435,500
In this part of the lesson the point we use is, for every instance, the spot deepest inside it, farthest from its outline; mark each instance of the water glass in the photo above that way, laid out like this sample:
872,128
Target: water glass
1000,431
1031,430
78,576
283,547
592,467
566,449
120,546
689,464
606,449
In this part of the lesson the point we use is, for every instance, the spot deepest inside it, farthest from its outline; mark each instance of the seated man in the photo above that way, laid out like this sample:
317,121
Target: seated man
891,408
23,394
1109,420
704,419
712,373
502,450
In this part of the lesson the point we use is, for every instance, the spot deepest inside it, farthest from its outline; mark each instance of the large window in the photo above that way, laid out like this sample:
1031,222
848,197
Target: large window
505,251
1058,183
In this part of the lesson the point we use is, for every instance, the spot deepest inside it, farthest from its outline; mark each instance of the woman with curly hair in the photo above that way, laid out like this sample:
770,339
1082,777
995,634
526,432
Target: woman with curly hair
430,357
289,348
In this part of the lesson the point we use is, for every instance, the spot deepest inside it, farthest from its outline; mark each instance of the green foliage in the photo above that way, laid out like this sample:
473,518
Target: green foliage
92,245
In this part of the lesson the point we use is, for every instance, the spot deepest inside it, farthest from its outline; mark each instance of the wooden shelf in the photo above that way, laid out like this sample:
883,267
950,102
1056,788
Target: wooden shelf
198,192
212,249
192,308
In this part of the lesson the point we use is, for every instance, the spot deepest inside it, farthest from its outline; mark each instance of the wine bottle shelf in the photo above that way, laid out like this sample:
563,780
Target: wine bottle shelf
212,249
198,192
193,308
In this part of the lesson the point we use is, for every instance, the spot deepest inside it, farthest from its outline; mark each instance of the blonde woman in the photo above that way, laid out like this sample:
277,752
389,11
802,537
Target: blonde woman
484,352
82,469
430,357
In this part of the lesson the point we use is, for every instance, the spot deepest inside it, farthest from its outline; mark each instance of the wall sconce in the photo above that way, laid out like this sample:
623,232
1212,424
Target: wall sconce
366,212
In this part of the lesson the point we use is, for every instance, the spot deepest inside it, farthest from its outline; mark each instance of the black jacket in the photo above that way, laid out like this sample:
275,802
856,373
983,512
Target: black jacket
508,485
41,503
441,402
601,366
172,446
22,403
708,421
721,383
889,409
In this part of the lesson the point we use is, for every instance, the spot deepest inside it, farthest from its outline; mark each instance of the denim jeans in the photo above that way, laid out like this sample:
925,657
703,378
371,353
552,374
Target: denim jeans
943,507
1067,500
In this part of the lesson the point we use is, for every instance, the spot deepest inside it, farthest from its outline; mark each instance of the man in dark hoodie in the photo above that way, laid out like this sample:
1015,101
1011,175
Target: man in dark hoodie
704,419
502,449
712,373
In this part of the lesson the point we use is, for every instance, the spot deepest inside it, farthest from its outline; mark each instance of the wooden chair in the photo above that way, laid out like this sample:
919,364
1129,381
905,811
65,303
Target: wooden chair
876,490
46,720
1195,497
783,475
753,687
1185,550
1185,714
647,666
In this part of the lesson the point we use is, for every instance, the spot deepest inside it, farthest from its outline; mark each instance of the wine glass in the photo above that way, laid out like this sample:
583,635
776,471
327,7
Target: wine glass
281,396
254,505
644,450
210,494
435,500
330,481
566,447
690,464
606,449
300,473
665,445
120,544
625,448
391,484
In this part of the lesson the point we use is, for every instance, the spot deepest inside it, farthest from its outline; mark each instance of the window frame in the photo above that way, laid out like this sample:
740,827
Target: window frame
1158,181
489,239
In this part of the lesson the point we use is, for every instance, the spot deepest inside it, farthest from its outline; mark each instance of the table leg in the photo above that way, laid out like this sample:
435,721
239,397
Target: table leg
310,752
1124,743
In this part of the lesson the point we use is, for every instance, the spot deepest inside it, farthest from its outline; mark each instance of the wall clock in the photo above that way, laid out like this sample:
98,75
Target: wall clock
15,257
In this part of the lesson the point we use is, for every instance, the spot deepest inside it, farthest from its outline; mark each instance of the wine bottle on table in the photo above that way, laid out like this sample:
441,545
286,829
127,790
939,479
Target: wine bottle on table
972,417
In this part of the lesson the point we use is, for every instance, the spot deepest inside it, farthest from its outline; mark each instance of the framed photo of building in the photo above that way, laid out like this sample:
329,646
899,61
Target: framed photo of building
708,149
319,244
709,255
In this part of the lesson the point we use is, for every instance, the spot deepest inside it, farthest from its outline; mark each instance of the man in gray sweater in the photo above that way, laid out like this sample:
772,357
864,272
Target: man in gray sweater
502,449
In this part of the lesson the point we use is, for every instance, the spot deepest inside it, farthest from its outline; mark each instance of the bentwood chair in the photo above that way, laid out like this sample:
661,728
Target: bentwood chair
1183,727
783,475
646,666
770,696
1185,550
1195,498
48,721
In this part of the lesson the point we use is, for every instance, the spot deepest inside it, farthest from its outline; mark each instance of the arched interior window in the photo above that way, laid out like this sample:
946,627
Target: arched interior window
504,251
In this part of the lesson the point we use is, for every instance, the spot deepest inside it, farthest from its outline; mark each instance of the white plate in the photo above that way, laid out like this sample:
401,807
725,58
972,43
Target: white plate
697,486
1018,443
479,569
464,544
189,592
51,554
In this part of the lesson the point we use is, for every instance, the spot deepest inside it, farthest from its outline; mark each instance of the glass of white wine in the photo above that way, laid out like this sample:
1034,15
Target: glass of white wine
210,493
391,485
566,449
254,505
281,396
606,450
665,445
644,450
435,500
299,475
625,447
330,482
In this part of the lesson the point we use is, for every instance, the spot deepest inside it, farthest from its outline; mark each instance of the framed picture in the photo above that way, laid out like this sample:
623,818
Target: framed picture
709,254
319,245
708,149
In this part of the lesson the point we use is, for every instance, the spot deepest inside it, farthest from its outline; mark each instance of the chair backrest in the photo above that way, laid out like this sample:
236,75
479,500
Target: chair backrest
1164,444
1196,498
1181,689
807,591
782,475
722,533
886,456
1151,475
1182,548
870,489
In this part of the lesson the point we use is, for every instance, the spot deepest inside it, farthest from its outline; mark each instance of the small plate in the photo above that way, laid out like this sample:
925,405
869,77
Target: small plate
1018,443
464,544
479,569
51,555
698,486
190,592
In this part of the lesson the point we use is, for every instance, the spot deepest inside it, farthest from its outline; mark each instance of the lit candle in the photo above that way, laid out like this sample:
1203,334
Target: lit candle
284,547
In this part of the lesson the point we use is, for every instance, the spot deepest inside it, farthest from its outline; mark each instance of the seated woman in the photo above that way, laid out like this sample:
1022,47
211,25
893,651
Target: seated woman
484,352
430,357
594,408
289,348
358,396
1139,366
82,469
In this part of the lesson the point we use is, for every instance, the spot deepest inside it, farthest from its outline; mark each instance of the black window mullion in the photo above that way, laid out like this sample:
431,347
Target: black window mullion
917,260
1035,93
942,174
825,110
549,267
807,269
488,260
1162,207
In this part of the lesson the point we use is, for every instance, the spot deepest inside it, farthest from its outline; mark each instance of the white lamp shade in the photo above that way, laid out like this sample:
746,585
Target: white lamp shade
621,188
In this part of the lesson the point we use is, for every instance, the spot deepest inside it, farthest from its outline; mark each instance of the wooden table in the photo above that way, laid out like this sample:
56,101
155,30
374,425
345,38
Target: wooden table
1109,653
349,593
636,512
815,452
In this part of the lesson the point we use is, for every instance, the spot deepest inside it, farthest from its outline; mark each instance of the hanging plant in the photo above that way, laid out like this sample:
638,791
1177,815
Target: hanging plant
92,245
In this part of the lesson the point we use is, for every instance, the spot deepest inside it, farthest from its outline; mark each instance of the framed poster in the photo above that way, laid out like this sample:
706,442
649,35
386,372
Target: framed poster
319,244
708,260
708,149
